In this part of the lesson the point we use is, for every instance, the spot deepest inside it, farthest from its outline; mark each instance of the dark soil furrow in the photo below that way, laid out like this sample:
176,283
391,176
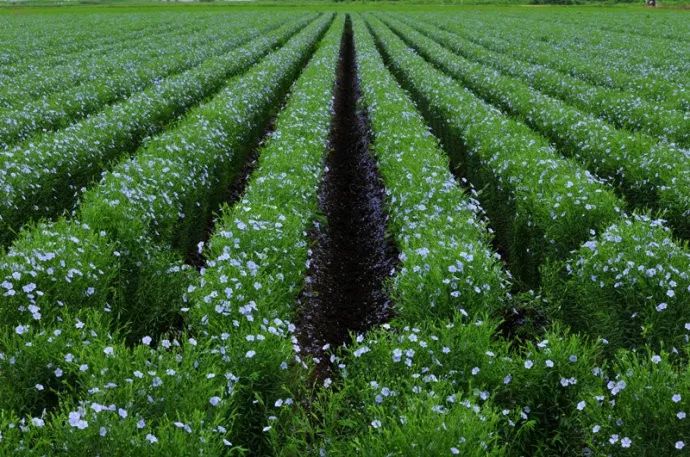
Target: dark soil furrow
351,255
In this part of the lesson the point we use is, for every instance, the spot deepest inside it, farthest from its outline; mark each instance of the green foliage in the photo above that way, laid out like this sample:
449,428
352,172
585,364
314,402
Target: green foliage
625,109
185,397
398,383
604,52
641,409
110,344
36,369
72,158
446,264
243,302
647,173
52,267
190,164
629,286
540,205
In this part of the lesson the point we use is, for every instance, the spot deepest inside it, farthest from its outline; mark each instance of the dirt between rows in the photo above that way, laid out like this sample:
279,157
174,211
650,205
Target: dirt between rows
351,256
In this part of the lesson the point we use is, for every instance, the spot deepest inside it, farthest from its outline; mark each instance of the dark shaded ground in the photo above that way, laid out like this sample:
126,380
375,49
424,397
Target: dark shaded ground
351,256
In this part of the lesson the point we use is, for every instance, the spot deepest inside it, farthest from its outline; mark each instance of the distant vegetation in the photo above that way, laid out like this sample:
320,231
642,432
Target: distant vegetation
660,3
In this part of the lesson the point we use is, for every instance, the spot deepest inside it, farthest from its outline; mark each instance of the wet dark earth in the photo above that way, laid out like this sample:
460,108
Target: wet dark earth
351,256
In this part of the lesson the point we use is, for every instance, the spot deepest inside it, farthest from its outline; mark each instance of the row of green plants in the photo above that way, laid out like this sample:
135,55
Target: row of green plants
627,300
649,174
625,110
47,175
244,303
27,87
653,55
670,95
86,381
512,166
129,73
31,41
374,406
439,380
402,387
541,205
167,192
160,199
27,258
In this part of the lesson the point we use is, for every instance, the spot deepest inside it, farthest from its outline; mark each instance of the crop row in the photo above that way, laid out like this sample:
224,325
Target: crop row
618,107
445,266
548,203
85,275
36,41
648,173
40,82
178,397
244,301
651,57
161,197
45,177
669,95
615,260
62,108
436,379
543,206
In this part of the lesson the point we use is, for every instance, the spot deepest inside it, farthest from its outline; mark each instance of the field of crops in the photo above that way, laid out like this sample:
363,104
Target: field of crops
284,231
